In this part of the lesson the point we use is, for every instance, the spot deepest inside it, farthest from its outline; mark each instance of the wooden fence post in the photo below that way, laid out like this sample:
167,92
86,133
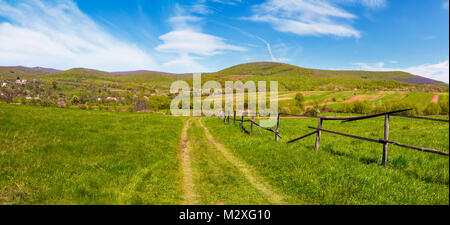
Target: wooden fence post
251,126
242,120
234,118
278,127
386,138
318,134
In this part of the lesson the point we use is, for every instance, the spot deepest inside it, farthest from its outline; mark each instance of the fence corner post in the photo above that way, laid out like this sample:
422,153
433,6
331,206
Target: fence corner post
319,132
278,127
386,138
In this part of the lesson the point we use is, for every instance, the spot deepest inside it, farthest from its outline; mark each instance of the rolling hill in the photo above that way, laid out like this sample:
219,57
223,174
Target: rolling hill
290,77
286,70
11,72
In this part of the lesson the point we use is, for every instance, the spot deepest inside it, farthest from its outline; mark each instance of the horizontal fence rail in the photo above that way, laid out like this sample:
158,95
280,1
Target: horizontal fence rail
226,116
380,141
421,118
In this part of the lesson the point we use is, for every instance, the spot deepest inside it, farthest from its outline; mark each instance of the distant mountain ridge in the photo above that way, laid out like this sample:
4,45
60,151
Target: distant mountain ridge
258,69
46,69
282,69
135,72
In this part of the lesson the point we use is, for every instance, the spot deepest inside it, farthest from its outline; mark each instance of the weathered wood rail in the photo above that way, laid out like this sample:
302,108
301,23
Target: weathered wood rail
319,129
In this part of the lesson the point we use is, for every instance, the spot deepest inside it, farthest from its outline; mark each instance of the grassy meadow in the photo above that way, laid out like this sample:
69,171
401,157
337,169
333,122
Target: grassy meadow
63,156
344,170
67,156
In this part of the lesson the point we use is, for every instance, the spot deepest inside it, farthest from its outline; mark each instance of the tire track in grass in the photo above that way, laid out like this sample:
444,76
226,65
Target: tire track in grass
188,184
216,180
266,189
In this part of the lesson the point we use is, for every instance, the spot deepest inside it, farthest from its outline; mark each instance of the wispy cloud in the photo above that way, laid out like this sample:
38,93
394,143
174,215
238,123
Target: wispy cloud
445,5
228,2
203,7
372,4
59,35
189,43
438,71
305,17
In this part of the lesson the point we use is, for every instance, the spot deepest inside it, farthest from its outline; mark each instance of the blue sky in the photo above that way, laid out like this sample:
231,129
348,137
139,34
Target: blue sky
209,35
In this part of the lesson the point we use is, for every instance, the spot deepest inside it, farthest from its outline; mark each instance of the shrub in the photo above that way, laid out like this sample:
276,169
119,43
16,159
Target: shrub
361,107
444,106
130,109
75,100
432,109
294,110
312,112
159,102
299,100
140,105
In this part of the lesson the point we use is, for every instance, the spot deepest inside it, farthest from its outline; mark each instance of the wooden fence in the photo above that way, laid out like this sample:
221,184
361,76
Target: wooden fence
318,130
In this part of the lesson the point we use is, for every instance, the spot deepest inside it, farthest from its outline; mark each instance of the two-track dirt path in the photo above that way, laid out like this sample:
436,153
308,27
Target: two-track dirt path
256,181
188,184
188,147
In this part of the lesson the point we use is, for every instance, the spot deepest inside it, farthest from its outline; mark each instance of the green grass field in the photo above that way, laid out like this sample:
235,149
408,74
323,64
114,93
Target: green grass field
60,156
344,170
64,156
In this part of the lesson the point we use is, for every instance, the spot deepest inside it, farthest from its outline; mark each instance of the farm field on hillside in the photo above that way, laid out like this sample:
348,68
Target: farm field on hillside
344,170
60,156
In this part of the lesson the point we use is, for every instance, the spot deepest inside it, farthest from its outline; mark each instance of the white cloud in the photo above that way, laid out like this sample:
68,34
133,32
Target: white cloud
59,35
228,2
202,7
306,17
189,43
445,5
438,71
372,4
192,42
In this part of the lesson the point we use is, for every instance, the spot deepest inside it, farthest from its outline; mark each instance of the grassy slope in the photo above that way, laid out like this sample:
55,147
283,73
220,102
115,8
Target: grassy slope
56,156
270,69
12,72
347,171
297,78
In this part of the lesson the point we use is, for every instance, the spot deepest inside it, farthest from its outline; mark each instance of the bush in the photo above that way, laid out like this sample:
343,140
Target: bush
432,109
312,112
356,107
444,106
299,100
158,102
295,110
361,107
75,100
140,105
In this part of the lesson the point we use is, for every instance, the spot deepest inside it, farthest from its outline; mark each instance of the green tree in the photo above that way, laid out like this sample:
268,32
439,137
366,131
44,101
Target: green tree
300,100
